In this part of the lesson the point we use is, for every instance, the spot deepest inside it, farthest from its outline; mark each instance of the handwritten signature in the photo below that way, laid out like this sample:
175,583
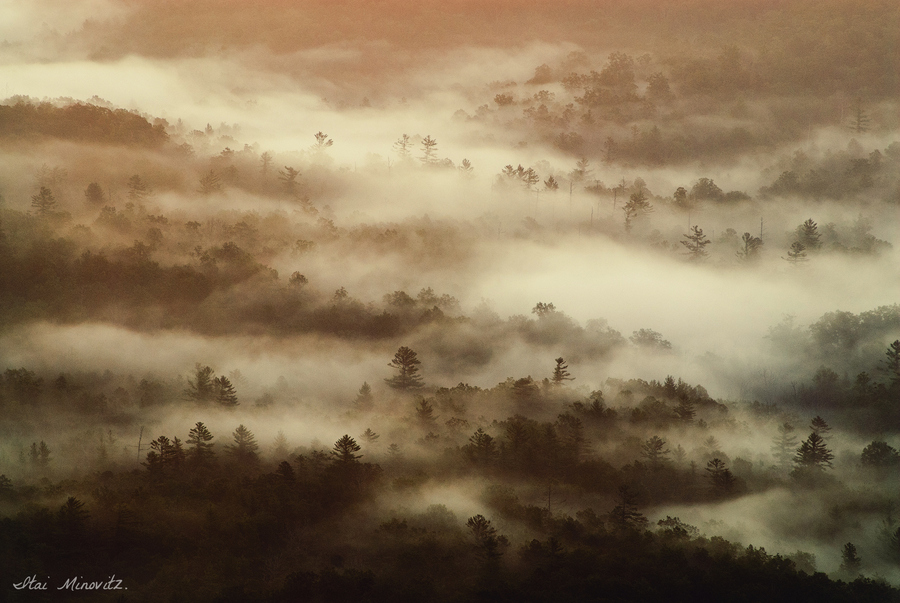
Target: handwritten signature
76,583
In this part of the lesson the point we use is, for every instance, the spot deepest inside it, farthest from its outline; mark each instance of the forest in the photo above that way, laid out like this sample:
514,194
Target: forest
457,301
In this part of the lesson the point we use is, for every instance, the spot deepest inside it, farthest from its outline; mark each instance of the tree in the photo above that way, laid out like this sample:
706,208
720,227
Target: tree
860,120
808,235
543,310
797,254
364,399
202,388
288,177
637,206
488,544
245,448
44,202
560,373
880,455
481,450
406,362
369,435
322,143
892,364
344,449
850,560
211,183
72,517
721,479
465,168
750,247
265,160
225,392
201,449
164,455
784,445
819,426
138,190
813,455
655,452
425,414
93,195
429,152
403,148
696,243
648,338
551,185
625,515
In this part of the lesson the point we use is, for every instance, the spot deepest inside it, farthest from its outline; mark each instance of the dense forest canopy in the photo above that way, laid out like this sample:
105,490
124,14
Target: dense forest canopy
450,301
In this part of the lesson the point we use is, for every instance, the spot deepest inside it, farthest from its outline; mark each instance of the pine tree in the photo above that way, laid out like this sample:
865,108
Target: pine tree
560,373
696,243
403,148
784,445
813,455
211,183
892,364
425,414
245,448
488,544
364,399
429,152
344,449
797,254
808,235
44,202
636,206
406,362
625,515
225,392
93,195
369,436
819,426
203,387
655,452
850,560
137,189
749,250
721,479
201,449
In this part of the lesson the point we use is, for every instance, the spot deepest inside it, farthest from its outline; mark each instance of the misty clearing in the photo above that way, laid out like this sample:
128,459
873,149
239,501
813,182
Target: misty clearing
450,301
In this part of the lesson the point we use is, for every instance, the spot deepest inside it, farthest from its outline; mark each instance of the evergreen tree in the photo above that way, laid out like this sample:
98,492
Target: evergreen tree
850,560
406,362
44,202
720,477
808,235
625,515
481,450
344,451
225,392
784,446
636,206
202,388
403,148
429,152
796,254
93,195
245,448
696,243
364,397
560,373
892,364
819,426
488,544
655,452
813,455
137,189
211,183
425,414
201,449
369,436
750,247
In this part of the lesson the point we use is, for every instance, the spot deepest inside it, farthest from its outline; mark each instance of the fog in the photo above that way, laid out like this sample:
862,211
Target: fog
251,190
